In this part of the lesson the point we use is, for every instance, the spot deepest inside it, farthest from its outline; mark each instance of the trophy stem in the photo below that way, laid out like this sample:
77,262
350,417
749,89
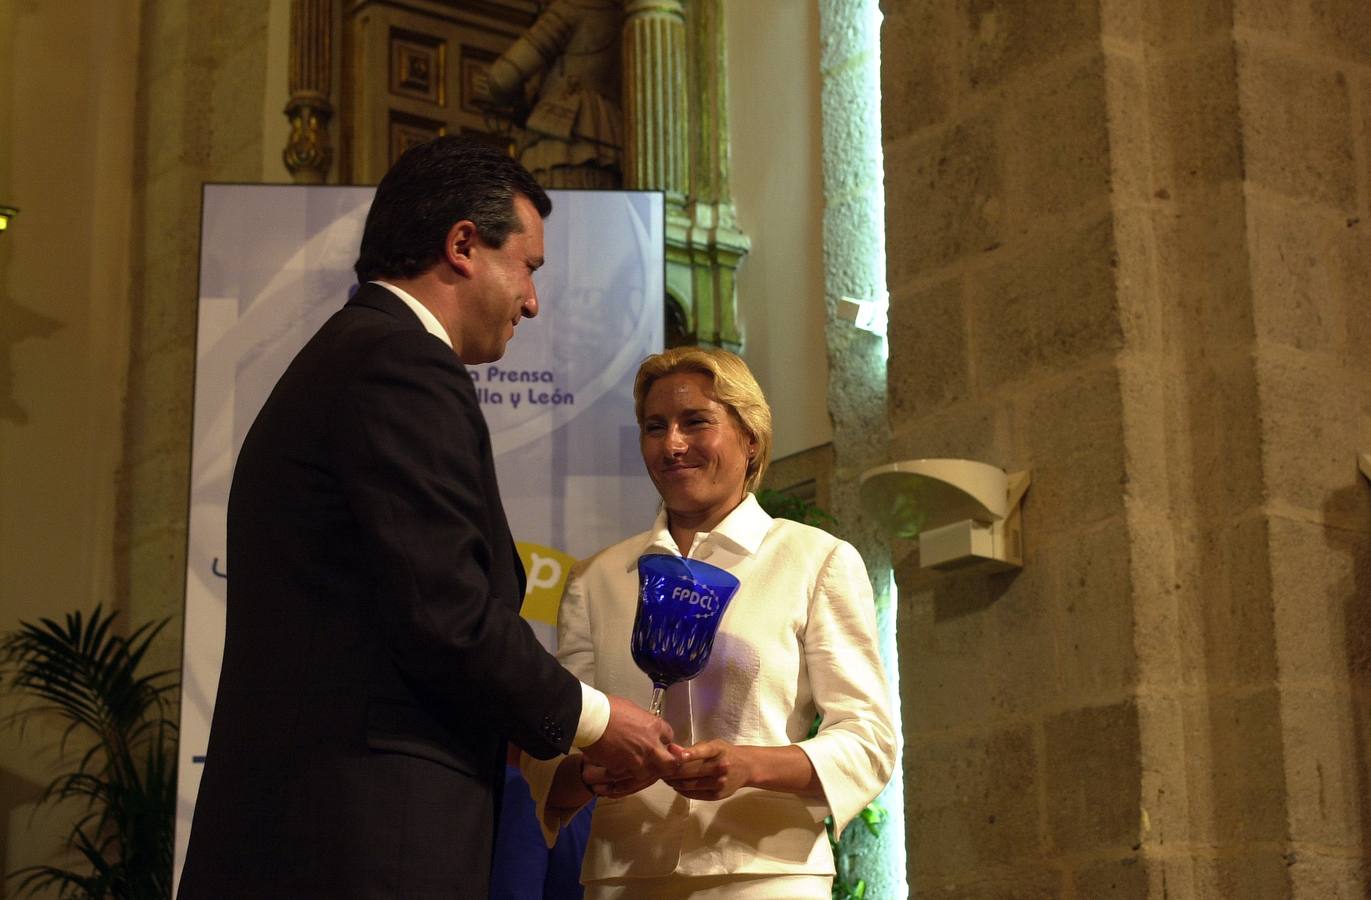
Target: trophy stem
658,695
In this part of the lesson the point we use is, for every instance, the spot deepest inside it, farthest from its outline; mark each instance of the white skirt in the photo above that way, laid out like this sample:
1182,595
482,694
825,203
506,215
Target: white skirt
714,887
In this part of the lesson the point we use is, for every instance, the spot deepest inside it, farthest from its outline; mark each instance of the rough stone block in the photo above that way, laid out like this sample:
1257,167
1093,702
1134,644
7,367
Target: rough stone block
977,430
1343,28
961,621
158,485
1234,600
1125,879
1093,777
851,131
1141,316
1192,117
1160,635
1047,307
1315,876
1247,772
1248,873
1297,131
160,400
1321,592
1143,389
166,307
1121,20
175,130
848,28
1322,768
1164,790
1310,420
928,350
971,802
1091,591
165,32
1275,18
1129,150
1002,41
945,682
236,100
1310,272
237,24
1192,577
1016,883
1173,23
917,61
947,202
857,395
157,573
1026,647
854,258
170,219
1215,428
165,100
1203,276
1074,445
1058,141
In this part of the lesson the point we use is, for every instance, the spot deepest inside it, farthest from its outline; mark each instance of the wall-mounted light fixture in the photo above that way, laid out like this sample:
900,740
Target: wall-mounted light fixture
6,213
962,512
868,315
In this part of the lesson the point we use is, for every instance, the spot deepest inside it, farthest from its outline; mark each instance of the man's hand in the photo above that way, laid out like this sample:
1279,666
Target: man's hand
634,743
602,783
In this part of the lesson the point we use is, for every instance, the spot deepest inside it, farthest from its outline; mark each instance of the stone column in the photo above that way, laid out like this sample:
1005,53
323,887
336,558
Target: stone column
655,105
308,154
199,118
854,258
716,246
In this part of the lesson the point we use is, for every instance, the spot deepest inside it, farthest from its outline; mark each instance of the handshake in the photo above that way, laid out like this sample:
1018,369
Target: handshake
636,751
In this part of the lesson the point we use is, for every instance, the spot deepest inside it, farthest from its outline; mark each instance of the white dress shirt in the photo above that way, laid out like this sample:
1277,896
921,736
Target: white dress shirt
798,637
594,704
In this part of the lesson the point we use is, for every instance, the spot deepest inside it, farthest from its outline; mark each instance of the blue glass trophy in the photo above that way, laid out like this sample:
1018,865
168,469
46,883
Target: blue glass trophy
680,604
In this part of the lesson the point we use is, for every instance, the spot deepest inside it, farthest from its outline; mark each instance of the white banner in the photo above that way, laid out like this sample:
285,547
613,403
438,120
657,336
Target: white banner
276,261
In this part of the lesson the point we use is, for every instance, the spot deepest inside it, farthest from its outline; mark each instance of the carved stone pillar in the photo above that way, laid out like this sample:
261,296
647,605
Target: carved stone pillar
716,245
308,153
655,108
676,141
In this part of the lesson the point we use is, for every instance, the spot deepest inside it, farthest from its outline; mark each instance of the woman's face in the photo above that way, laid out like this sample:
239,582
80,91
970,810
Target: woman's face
695,450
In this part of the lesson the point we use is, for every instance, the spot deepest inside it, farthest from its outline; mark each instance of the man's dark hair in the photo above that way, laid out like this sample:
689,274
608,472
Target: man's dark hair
430,188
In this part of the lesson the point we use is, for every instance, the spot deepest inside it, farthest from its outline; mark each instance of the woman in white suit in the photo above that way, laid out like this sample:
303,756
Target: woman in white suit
742,815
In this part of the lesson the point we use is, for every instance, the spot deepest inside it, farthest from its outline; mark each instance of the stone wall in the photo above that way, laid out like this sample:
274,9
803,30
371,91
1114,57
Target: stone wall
1128,251
201,90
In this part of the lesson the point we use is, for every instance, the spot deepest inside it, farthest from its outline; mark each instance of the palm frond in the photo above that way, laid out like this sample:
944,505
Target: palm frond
86,675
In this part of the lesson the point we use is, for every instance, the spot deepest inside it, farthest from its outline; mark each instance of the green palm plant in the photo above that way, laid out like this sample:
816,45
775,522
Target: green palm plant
84,674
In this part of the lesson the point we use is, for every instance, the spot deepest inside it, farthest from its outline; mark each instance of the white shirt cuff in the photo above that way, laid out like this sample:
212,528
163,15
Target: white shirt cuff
594,717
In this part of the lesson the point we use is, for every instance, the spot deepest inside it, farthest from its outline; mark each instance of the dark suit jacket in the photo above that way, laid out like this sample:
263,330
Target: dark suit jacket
374,661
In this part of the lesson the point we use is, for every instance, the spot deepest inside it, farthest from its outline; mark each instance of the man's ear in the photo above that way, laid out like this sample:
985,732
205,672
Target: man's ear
461,240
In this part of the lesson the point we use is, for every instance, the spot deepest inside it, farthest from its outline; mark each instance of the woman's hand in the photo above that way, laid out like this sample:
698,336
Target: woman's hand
715,770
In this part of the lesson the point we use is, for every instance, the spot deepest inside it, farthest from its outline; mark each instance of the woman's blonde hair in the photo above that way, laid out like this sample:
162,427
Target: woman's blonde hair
734,387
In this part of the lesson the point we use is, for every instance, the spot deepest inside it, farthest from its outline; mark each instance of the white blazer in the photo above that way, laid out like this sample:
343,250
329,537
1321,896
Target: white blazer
798,637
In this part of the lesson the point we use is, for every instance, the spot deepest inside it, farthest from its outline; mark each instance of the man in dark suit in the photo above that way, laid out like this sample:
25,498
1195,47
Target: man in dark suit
374,661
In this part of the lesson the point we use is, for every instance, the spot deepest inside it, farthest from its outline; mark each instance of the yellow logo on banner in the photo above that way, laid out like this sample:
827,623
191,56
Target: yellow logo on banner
547,570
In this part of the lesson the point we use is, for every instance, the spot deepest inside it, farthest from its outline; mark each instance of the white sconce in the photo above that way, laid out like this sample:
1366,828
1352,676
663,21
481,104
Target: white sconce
963,512
868,315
